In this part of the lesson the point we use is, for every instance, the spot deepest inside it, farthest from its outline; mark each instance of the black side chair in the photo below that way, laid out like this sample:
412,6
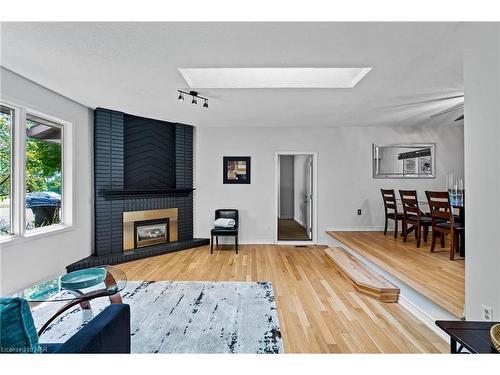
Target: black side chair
225,214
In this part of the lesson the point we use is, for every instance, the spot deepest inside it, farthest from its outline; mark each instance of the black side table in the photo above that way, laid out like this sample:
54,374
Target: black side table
473,336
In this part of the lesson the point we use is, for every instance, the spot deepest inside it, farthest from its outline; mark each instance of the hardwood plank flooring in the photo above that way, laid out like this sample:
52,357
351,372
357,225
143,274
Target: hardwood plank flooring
289,229
432,274
318,308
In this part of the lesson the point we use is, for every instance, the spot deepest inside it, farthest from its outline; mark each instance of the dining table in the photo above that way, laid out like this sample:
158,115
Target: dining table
468,336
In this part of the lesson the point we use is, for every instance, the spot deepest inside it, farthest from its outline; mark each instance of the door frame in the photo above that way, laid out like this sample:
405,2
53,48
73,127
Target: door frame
314,215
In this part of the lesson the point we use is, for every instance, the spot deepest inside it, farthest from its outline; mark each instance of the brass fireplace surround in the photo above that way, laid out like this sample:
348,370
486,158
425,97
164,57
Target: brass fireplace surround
129,218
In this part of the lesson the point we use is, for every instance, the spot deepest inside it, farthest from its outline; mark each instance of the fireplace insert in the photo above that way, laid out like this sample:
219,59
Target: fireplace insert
148,228
151,232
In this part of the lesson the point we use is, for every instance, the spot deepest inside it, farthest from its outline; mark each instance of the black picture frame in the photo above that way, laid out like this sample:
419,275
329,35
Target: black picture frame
230,167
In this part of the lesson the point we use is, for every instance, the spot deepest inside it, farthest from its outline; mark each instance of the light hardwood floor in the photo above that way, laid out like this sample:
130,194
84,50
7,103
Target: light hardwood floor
432,274
319,309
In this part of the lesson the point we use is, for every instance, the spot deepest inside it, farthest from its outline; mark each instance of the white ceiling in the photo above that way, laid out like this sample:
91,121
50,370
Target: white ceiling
133,67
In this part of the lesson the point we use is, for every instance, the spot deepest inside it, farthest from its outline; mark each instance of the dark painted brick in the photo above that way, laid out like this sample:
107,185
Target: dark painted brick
110,135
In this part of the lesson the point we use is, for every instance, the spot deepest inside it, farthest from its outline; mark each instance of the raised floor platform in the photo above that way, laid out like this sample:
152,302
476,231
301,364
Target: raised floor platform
364,280
433,275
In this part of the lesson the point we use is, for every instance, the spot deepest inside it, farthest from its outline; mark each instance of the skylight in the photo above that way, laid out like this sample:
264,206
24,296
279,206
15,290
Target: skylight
245,78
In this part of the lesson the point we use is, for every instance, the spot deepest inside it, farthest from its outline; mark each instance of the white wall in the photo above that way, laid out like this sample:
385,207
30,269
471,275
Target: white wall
482,168
345,180
300,188
286,194
27,260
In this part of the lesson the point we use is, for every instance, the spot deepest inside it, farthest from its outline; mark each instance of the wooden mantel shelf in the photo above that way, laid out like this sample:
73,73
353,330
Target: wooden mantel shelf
129,193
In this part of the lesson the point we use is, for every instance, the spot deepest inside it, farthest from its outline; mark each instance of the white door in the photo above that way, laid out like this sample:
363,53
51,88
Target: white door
309,196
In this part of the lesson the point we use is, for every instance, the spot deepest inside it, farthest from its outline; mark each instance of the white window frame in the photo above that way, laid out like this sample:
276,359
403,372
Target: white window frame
18,177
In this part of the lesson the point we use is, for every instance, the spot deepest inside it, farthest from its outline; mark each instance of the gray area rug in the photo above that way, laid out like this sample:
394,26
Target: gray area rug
184,317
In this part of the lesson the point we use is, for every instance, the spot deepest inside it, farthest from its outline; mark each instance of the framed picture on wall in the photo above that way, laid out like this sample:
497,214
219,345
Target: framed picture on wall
236,169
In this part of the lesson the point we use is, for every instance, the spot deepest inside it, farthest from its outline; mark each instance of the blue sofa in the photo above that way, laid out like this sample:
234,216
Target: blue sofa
108,332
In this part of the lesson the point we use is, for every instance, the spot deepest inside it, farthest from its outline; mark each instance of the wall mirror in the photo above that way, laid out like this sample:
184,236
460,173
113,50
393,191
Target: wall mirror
404,160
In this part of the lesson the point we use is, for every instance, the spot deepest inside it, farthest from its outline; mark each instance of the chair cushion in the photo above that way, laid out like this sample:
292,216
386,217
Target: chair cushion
18,333
447,225
391,215
224,231
424,220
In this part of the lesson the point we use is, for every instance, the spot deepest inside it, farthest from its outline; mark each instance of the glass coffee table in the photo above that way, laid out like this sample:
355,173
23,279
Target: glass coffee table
77,287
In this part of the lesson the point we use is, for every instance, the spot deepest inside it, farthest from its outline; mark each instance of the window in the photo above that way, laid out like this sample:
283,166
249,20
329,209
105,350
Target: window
43,173
6,116
35,188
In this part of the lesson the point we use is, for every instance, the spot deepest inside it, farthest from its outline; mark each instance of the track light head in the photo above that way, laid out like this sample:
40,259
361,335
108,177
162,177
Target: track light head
194,95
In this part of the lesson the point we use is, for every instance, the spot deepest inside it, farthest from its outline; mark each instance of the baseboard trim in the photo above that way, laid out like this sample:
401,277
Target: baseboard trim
423,317
295,243
299,221
357,229
319,241
230,241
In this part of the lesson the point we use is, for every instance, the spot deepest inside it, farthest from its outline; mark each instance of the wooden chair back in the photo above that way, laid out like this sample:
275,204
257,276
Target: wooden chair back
439,204
410,205
443,220
389,197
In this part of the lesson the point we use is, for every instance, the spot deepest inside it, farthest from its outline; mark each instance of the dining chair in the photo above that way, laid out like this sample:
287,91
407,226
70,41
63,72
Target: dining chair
413,216
443,220
391,210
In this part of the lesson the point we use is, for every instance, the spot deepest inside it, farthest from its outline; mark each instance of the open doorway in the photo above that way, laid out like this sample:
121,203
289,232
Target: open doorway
295,197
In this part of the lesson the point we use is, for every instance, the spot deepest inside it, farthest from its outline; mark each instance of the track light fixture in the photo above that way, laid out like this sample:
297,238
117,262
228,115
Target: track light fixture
194,95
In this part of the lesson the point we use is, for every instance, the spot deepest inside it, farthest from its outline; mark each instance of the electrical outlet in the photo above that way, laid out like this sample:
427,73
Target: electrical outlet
359,211
487,312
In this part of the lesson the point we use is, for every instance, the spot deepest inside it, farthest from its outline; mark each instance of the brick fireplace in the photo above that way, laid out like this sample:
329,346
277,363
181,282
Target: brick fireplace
140,165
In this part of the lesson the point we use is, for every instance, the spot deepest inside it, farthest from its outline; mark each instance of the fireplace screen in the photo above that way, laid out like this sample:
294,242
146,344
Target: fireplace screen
148,233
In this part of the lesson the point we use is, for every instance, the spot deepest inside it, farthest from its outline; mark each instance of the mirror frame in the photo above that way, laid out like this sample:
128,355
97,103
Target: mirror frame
375,165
